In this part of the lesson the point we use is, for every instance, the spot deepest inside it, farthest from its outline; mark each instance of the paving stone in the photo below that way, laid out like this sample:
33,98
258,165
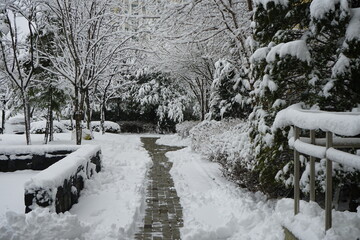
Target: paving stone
163,215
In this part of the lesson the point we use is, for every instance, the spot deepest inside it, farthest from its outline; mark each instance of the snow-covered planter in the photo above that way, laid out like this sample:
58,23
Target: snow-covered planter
39,127
58,187
109,126
13,158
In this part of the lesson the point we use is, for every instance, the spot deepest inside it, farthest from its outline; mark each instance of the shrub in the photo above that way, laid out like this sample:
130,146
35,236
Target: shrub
183,128
39,127
109,126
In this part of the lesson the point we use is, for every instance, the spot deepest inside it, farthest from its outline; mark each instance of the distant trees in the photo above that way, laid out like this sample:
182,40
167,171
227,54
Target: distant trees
194,35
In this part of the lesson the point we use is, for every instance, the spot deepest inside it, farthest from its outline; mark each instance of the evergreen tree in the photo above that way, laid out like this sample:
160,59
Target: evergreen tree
227,92
304,54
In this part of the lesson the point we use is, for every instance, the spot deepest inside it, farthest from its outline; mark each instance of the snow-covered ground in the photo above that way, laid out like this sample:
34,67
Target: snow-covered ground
109,206
112,202
12,190
214,208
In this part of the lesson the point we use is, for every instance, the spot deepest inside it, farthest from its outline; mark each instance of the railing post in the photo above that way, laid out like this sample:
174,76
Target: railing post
296,174
312,169
328,193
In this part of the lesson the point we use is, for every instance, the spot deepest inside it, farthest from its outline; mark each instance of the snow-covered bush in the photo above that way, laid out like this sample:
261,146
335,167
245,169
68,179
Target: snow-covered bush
183,128
68,125
109,126
228,143
40,126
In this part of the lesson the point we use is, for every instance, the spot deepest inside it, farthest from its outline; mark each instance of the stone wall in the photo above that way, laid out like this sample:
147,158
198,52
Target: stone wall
61,196
21,161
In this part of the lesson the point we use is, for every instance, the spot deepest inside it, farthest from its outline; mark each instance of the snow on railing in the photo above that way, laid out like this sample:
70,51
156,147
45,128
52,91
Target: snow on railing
345,124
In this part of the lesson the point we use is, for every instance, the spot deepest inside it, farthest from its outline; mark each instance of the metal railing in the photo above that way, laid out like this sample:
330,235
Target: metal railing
324,148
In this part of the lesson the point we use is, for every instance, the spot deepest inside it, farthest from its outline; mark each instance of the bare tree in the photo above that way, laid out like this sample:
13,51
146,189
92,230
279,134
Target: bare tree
18,49
90,35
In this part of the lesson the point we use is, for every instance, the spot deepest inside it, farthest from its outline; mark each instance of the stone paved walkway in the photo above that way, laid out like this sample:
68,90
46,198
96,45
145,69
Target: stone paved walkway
163,214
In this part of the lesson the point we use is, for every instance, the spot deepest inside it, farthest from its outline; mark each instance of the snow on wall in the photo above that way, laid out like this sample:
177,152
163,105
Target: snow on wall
295,48
55,175
35,149
341,123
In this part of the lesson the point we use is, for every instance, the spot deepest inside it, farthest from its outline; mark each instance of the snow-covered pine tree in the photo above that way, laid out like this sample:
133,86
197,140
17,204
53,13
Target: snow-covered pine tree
304,50
226,94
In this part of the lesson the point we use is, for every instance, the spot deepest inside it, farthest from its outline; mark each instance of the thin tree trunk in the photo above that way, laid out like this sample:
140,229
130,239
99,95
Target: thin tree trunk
51,126
51,117
47,128
27,117
3,118
250,5
88,110
102,116
78,116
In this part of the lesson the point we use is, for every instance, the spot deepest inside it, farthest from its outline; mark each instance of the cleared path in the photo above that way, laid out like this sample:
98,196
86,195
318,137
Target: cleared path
163,214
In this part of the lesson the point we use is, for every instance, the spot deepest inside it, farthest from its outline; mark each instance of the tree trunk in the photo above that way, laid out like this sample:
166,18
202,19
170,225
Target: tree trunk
3,118
250,5
102,116
51,117
51,125
88,110
78,116
26,116
47,128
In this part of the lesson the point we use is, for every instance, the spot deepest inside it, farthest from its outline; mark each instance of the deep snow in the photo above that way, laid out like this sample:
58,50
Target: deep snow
109,206
113,201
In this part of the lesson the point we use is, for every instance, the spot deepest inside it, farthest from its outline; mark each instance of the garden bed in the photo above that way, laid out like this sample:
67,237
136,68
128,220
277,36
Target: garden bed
65,168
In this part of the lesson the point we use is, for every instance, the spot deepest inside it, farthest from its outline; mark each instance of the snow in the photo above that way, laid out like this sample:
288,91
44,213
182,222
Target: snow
277,2
319,8
12,190
36,149
259,54
341,65
173,140
344,158
40,126
55,175
40,224
309,223
353,29
307,148
112,202
109,206
214,208
346,124
297,49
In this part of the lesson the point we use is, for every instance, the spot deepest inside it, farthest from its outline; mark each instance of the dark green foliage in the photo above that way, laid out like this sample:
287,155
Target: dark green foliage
328,76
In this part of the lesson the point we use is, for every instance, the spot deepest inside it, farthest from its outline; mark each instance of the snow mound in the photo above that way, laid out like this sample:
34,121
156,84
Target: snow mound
41,224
